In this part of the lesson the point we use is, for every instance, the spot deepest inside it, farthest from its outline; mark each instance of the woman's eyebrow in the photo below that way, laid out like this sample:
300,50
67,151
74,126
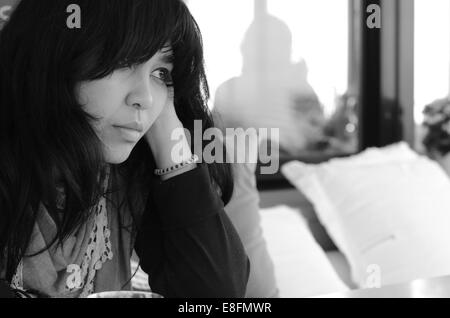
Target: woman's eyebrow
167,57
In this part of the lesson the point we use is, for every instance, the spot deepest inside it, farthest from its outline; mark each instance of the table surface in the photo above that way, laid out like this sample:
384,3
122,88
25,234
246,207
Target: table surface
438,287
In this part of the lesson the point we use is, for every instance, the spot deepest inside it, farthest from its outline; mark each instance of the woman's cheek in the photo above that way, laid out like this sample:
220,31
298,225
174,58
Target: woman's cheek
161,98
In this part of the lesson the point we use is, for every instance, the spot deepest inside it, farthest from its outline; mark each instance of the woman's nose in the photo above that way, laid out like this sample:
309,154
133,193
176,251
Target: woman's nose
140,96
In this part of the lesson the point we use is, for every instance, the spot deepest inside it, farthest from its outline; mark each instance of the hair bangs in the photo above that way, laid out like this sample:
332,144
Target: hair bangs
137,30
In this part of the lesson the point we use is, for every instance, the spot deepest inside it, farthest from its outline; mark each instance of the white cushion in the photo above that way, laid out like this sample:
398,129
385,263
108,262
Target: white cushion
302,268
398,152
384,207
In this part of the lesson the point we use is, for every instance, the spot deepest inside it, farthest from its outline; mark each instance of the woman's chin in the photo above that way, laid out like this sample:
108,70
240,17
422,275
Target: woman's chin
118,156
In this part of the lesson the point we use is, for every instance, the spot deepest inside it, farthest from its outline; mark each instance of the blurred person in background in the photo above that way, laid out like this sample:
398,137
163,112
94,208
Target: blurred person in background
272,91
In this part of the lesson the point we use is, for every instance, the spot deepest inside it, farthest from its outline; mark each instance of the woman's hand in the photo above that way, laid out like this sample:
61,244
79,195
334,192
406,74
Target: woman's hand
159,137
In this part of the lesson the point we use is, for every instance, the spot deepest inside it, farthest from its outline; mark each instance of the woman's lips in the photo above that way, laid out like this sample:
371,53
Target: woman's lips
133,126
131,132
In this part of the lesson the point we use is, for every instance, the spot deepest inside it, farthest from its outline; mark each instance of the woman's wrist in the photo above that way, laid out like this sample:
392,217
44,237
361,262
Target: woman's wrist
166,150
178,172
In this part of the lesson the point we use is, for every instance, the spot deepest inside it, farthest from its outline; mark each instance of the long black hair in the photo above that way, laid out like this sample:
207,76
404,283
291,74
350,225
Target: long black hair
46,137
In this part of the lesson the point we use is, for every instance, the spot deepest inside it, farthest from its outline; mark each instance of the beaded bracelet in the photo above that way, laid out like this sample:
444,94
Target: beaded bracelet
161,172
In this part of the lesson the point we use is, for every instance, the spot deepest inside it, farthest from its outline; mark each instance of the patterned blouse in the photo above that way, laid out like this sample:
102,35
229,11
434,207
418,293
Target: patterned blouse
74,269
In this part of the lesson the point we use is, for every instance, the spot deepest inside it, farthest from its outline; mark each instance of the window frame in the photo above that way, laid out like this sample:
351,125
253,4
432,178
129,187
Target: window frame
381,77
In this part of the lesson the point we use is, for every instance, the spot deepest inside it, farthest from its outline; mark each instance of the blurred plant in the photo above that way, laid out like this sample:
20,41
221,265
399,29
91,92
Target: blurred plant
342,127
437,127
310,119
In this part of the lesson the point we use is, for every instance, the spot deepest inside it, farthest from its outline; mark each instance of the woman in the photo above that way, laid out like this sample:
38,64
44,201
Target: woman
86,116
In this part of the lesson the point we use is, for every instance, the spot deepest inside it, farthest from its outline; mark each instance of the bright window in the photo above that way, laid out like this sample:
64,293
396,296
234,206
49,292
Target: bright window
281,64
432,53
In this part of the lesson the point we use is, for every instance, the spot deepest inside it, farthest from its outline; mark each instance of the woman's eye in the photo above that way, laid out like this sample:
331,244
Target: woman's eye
164,75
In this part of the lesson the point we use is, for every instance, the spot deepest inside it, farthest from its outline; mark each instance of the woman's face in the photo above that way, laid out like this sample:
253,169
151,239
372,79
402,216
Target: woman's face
127,103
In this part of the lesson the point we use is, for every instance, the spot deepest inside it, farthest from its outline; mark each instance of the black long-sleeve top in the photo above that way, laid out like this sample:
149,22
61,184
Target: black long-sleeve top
189,248
185,242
